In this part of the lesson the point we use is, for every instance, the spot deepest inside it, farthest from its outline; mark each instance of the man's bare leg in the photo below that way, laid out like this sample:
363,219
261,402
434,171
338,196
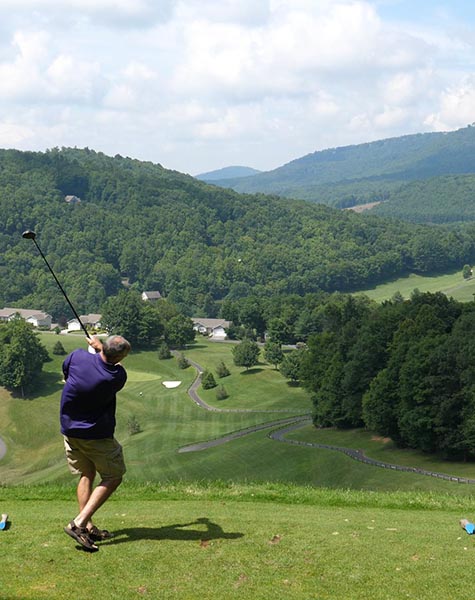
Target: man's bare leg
84,491
97,498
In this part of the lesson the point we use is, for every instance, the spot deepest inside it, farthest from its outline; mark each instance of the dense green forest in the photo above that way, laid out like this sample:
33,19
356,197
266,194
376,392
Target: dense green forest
195,243
445,199
351,175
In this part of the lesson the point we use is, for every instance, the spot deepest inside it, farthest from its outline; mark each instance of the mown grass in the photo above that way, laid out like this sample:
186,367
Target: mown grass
239,541
170,420
451,284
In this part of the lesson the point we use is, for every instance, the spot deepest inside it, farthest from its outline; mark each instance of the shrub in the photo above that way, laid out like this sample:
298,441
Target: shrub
182,361
221,393
133,426
58,349
164,351
222,370
207,380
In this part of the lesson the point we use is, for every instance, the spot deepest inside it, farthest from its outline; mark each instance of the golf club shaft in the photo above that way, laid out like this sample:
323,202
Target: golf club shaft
61,288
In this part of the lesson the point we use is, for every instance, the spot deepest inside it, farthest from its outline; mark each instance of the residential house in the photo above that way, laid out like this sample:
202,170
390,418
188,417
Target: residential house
151,296
91,321
213,328
72,200
37,318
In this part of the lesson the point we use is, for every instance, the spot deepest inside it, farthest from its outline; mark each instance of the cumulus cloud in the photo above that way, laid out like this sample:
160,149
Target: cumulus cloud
456,106
191,83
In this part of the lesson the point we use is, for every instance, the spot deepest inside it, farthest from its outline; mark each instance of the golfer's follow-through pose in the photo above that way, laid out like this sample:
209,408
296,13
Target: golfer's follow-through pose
87,415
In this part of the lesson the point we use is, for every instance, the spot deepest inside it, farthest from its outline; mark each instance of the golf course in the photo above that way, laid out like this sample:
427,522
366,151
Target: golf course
228,499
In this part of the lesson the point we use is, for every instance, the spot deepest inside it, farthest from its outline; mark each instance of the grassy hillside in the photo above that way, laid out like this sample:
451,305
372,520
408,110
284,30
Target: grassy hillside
366,172
240,541
170,421
451,284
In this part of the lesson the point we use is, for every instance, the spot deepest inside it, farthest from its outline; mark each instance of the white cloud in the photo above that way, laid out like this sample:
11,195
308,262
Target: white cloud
456,107
193,83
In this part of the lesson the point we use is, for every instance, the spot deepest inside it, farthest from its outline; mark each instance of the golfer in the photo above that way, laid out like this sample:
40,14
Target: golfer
87,415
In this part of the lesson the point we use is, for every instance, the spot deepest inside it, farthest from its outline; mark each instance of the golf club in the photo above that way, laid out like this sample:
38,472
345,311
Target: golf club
31,235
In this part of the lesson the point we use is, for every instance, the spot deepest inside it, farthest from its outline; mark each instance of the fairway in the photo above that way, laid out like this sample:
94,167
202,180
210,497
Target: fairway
169,421
451,284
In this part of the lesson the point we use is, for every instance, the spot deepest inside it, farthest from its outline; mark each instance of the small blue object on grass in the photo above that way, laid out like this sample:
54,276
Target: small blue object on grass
469,527
3,522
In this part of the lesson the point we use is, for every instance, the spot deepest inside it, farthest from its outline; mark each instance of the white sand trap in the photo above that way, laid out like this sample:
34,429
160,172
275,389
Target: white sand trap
171,384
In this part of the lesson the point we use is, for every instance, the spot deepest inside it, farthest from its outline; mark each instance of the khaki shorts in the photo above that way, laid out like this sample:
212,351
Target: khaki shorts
86,456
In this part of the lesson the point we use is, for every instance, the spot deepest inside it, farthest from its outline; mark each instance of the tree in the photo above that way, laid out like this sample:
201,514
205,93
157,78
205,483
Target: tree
58,349
207,380
467,272
246,354
21,355
222,370
128,315
164,351
273,353
291,365
221,393
182,361
179,331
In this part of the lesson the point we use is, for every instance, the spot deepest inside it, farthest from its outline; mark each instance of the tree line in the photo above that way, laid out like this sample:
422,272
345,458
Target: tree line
404,369
198,244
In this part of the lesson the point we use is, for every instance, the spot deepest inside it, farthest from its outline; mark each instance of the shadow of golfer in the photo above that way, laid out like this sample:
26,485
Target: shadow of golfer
178,531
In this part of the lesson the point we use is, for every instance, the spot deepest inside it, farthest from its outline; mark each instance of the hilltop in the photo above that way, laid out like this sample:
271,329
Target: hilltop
227,173
375,171
196,243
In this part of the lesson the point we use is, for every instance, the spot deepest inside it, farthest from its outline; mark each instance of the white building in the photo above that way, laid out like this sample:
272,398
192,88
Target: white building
37,318
213,328
92,320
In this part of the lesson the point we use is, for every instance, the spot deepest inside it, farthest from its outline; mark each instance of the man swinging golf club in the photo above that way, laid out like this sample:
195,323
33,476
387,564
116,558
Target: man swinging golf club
87,415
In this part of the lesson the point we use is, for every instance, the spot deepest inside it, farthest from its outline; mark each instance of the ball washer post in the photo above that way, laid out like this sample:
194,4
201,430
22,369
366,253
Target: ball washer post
31,235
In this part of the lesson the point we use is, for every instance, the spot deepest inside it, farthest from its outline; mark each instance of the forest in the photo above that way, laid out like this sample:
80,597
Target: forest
404,369
150,228
375,171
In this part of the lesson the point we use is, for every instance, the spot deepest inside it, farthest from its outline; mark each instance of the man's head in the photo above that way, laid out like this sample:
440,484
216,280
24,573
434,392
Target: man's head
115,348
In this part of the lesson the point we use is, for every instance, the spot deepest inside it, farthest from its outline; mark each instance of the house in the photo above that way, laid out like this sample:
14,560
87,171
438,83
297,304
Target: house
151,296
213,328
91,321
37,318
72,200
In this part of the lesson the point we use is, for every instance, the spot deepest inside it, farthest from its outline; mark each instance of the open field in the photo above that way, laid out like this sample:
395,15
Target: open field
451,284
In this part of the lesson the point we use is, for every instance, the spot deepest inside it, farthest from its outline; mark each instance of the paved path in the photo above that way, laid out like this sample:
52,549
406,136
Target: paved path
288,425
3,448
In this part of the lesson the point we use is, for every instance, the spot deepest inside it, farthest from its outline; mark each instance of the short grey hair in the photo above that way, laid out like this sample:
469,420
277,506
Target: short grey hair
115,346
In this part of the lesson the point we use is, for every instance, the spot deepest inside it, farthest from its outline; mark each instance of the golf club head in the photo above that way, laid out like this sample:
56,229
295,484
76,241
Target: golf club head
28,234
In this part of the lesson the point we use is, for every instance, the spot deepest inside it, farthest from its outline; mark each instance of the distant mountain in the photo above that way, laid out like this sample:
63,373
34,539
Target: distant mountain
228,173
350,175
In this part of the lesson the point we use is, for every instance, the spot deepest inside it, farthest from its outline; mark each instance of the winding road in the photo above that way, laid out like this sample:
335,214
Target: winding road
284,426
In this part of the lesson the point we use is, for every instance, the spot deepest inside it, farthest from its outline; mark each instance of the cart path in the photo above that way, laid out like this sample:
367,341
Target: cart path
3,448
288,425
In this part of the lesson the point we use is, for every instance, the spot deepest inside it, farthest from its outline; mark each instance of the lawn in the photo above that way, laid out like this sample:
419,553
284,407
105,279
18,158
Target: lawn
248,542
451,284
170,420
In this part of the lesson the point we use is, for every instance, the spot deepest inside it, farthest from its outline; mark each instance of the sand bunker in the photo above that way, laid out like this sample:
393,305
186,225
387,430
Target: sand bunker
171,384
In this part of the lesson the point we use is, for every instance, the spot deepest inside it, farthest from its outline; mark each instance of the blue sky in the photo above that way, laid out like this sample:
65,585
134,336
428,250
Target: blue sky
197,85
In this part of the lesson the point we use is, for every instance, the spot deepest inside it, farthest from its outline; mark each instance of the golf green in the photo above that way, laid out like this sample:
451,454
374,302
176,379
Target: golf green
141,376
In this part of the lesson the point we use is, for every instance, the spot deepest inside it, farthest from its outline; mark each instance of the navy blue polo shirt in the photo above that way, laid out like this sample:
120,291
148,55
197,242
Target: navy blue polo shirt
88,401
